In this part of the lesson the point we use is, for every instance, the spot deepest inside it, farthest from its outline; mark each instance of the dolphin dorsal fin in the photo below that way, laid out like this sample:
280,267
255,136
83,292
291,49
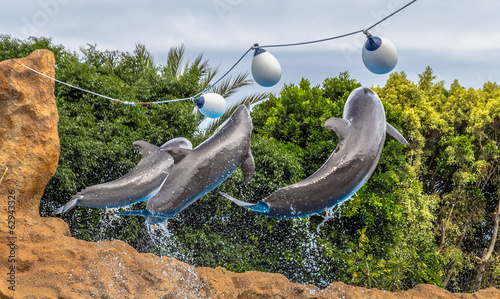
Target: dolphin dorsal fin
177,153
338,125
145,148
394,133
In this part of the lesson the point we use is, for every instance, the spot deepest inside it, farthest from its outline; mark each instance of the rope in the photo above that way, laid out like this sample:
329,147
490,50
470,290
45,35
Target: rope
98,94
234,65
410,3
365,31
313,41
254,47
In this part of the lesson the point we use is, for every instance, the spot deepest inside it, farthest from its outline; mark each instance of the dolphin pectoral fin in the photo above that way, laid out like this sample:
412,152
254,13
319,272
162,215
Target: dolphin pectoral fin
177,153
248,168
71,204
144,147
394,133
259,207
338,125
178,142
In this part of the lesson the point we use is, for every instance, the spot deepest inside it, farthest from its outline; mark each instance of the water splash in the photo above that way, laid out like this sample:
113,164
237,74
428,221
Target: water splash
159,233
333,212
330,213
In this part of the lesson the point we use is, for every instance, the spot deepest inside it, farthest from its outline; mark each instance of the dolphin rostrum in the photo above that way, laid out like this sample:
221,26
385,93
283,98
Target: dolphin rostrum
139,184
198,171
361,132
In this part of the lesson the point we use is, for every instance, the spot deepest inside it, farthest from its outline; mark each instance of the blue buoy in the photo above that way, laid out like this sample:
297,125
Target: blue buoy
211,105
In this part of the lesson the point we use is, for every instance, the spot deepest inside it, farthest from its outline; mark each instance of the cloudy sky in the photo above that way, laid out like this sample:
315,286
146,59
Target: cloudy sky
459,39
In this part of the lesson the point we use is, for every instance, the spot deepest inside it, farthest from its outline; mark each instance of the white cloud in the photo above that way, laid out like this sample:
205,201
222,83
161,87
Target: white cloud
457,38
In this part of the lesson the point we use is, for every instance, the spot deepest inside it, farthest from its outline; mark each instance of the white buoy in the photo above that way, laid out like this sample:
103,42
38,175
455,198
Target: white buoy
266,69
379,54
211,105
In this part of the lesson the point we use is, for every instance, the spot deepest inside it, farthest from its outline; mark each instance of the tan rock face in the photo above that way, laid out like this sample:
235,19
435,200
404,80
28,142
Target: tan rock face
40,259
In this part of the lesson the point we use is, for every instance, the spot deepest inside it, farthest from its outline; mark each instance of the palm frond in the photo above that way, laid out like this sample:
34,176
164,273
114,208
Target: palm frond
197,115
202,66
174,61
215,124
207,78
111,60
144,57
229,86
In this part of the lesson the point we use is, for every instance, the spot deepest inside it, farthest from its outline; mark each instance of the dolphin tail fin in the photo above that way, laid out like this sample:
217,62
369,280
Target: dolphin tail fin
248,168
394,133
338,125
71,204
259,207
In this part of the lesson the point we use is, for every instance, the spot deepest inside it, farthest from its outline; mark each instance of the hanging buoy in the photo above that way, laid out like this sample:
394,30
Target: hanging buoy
266,69
211,105
379,54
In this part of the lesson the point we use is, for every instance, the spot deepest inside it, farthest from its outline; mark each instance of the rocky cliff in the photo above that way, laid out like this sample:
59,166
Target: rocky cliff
40,259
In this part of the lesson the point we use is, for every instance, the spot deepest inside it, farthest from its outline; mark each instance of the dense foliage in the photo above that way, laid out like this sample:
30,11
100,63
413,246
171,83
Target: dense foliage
429,214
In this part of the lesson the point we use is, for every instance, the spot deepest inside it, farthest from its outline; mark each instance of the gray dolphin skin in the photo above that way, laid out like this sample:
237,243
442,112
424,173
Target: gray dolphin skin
361,132
198,171
139,184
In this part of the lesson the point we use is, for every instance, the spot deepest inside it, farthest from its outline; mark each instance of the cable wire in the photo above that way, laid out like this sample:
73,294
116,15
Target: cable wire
405,6
365,31
222,77
313,41
95,93
254,47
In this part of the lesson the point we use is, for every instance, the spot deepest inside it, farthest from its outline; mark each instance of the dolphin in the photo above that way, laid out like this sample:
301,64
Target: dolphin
139,184
198,171
361,132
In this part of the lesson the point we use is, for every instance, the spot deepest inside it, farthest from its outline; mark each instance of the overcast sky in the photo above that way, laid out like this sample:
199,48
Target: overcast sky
459,39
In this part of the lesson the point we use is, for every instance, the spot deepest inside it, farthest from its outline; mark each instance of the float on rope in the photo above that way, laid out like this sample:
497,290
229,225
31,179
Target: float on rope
211,105
379,54
266,70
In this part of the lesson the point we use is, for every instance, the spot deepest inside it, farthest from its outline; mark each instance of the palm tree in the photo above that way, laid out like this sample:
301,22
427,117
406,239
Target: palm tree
226,88
178,70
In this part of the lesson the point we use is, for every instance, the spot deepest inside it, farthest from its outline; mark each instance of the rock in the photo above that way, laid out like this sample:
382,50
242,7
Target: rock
49,263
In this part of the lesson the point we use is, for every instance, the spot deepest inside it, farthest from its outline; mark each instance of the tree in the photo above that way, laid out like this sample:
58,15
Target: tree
289,133
97,134
429,213
456,151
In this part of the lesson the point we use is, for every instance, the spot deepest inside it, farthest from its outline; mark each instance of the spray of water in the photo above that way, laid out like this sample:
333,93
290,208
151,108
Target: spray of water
160,234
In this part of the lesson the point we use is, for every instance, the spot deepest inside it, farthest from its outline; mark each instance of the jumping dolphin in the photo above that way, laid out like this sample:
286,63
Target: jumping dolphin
361,132
139,184
198,171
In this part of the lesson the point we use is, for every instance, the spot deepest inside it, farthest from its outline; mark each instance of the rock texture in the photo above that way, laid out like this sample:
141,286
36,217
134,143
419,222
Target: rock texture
49,263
